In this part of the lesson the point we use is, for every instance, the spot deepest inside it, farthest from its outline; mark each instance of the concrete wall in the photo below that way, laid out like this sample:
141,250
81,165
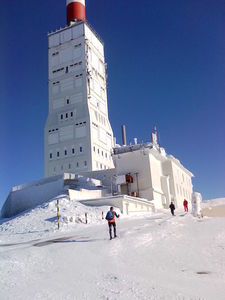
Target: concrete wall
128,205
78,109
161,178
180,183
29,196
85,194
146,171
136,162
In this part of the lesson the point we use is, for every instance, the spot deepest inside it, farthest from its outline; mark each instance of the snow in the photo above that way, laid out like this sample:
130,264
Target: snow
155,257
213,202
41,222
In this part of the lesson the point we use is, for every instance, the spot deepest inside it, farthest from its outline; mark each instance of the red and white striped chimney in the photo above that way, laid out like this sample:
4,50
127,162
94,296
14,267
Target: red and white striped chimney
75,10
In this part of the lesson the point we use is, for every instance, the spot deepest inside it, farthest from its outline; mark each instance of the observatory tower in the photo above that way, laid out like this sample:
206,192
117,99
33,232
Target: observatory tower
78,134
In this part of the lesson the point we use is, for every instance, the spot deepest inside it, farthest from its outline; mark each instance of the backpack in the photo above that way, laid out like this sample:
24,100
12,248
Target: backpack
109,216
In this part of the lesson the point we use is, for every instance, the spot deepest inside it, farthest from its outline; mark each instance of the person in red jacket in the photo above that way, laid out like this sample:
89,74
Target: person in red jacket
111,218
185,205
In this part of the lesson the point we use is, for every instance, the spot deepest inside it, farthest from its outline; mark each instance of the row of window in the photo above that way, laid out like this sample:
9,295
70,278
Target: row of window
182,192
58,70
100,118
77,45
97,74
70,166
67,68
81,123
52,130
72,152
185,179
65,153
66,115
79,75
58,82
101,152
100,166
57,52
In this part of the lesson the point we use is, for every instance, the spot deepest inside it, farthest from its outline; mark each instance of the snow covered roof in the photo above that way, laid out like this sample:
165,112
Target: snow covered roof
131,148
76,24
155,150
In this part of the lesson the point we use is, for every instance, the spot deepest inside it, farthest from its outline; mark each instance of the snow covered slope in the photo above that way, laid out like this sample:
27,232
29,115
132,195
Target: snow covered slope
155,257
214,208
213,202
41,222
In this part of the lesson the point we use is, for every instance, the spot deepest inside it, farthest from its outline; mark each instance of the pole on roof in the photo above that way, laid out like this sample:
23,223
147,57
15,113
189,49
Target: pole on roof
58,212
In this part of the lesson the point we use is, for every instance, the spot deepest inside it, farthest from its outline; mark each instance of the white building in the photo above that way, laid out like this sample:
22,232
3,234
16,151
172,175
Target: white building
78,134
146,171
79,138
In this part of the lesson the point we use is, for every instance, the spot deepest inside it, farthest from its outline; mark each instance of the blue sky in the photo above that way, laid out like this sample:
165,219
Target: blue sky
166,67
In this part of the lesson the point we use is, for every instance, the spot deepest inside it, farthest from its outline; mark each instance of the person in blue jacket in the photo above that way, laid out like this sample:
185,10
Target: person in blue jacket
111,218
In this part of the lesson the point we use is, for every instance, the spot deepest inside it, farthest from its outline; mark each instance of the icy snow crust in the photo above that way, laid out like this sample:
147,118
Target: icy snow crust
155,257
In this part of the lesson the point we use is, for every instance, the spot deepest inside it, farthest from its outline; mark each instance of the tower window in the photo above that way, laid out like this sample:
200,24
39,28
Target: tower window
67,101
94,148
69,166
73,151
61,116
77,164
57,153
81,149
67,69
66,115
85,163
102,153
71,114
65,152
50,155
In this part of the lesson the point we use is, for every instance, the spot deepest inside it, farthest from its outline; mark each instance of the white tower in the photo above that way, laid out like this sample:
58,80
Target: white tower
78,134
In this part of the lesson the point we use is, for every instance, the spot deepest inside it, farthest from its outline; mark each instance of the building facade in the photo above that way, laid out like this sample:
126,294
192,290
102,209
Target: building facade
150,173
78,134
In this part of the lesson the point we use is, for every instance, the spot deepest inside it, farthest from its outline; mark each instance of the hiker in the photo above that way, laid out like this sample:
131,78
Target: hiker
185,203
172,208
111,218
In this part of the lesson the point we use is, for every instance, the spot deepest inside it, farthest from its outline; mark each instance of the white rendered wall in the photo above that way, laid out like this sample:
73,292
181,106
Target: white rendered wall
84,194
148,170
29,196
180,182
127,205
158,176
70,145
136,162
